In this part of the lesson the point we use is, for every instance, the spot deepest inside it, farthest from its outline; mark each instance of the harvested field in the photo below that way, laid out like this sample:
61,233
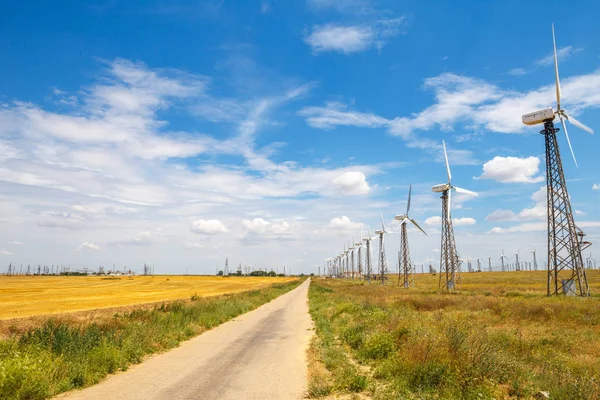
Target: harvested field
29,296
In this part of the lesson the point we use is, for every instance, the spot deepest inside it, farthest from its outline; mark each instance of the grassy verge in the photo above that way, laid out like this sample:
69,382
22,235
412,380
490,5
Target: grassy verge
392,343
59,357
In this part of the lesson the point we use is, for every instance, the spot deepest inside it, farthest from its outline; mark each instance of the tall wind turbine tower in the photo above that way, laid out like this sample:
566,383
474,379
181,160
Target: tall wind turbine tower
352,257
566,272
502,257
535,266
381,256
406,271
449,260
490,263
358,246
517,265
368,256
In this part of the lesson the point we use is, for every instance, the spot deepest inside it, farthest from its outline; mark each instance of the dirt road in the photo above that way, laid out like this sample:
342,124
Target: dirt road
260,355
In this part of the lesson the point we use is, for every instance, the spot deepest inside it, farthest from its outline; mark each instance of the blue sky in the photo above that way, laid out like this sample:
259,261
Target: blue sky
272,132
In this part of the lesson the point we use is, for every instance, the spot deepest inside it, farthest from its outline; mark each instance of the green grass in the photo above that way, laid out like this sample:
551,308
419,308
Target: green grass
386,342
57,357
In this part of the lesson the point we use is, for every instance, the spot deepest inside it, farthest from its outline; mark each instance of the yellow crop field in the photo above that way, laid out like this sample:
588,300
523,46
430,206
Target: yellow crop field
27,296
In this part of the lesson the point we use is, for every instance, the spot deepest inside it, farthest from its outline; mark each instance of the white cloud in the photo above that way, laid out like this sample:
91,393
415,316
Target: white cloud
512,170
352,182
193,245
5,253
435,220
17,243
463,221
344,223
337,114
477,104
562,54
595,186
495,229
501,215
208,227
88,246
261,226
579,212
517,71
144,238
349,39
342,39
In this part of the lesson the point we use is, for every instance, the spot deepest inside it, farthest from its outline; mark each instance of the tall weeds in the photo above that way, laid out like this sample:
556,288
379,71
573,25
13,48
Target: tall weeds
419,344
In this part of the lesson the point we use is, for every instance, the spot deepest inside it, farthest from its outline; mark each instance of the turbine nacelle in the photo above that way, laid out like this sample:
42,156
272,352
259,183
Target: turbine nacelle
441,187
538,117
379,232
400,217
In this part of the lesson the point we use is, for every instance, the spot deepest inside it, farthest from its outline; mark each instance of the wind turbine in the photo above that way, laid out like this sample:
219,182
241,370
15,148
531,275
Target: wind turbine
358,246
490,263
449,260
517,265
381,256
351,249
566,272
368,255
502,257
404,264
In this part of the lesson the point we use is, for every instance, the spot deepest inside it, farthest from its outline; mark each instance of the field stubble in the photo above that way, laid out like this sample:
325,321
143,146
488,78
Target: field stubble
27,296
498,337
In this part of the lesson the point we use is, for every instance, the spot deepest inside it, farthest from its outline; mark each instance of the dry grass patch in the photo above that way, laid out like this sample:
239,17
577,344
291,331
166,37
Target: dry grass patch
498,337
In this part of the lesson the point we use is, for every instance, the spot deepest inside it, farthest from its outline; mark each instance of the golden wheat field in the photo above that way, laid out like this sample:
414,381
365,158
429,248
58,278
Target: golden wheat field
26,296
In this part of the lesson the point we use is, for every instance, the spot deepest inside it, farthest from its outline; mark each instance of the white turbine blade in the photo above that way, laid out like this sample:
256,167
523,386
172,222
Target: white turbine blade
562,121
465,191
417,225
556,71
579,124
382,224
447,163
409,193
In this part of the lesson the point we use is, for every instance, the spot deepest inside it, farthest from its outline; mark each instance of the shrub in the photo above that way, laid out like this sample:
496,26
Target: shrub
377,346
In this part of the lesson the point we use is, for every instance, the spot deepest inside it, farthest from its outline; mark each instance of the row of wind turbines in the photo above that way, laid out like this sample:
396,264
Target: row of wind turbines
348,264
566,241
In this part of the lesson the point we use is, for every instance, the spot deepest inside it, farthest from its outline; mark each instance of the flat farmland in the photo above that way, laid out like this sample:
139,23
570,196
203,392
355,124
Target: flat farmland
498,337
29,296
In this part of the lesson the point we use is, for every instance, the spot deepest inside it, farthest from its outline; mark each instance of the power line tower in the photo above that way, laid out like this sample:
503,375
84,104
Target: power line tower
226,272
9,269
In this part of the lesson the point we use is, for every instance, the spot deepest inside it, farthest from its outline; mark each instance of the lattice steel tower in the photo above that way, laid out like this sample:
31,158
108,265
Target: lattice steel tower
449,260
566,271
368,259
406,268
